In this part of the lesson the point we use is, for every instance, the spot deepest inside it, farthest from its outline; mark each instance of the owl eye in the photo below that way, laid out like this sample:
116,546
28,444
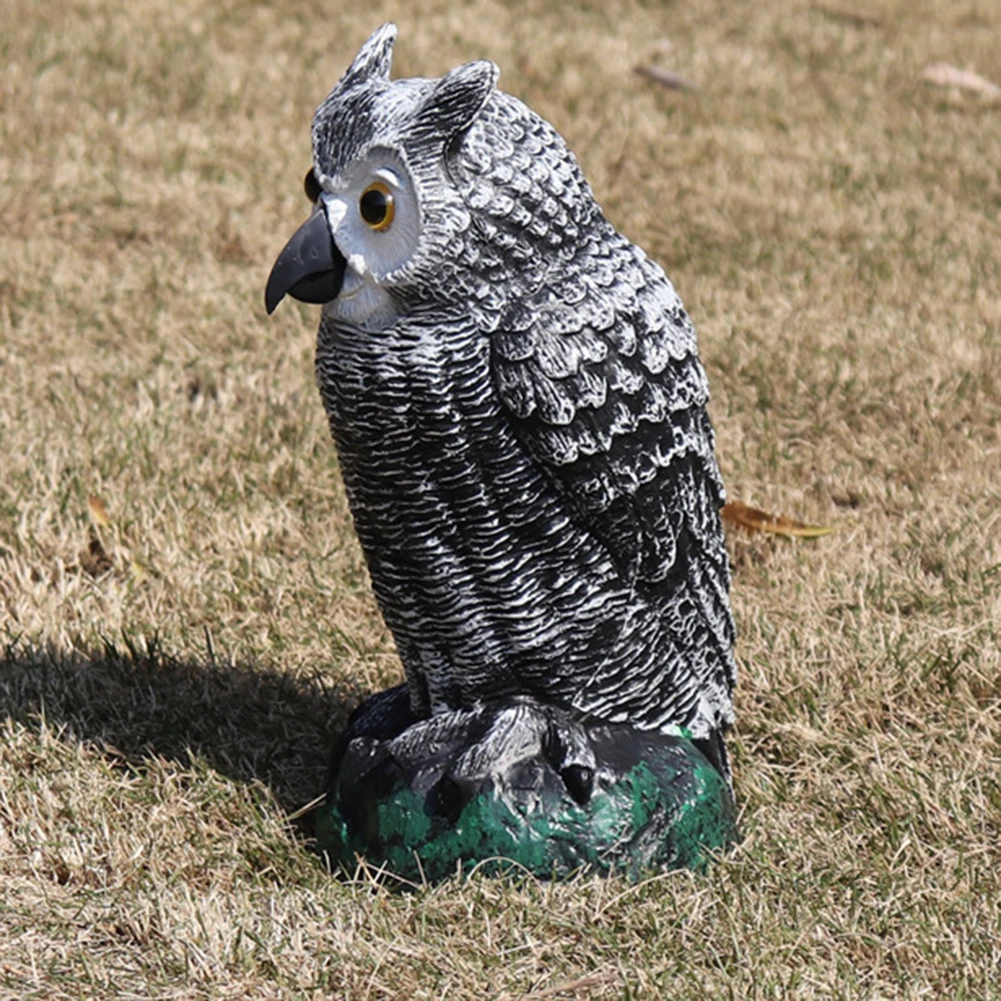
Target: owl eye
376,206
311,186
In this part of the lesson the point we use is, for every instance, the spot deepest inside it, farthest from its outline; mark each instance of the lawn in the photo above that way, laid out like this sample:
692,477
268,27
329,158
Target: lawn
185,616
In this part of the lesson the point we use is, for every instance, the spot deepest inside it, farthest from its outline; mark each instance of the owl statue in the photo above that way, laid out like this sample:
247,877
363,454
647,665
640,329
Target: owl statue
519,412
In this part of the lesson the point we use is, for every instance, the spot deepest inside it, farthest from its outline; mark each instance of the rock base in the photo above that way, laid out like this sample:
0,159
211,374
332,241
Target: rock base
517,784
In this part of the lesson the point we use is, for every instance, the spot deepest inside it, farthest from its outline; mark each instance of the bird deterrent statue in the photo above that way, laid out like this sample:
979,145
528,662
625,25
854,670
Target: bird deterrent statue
520,417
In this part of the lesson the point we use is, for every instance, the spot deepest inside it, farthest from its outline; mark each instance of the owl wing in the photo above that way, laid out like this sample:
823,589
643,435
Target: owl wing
603,385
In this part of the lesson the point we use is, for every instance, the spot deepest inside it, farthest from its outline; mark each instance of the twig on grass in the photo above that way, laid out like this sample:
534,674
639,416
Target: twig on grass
666,78
944,75
307,808
569,986
858,18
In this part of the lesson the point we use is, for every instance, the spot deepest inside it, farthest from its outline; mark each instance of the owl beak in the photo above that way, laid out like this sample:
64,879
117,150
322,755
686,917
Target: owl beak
310,268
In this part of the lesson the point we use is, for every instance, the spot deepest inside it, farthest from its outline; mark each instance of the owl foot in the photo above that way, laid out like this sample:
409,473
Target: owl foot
517,781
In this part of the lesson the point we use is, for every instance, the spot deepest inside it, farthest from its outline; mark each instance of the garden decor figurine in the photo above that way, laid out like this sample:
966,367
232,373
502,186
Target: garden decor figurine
520,417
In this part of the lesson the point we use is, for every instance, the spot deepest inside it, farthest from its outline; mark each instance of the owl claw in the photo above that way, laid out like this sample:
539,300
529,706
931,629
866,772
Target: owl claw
579,780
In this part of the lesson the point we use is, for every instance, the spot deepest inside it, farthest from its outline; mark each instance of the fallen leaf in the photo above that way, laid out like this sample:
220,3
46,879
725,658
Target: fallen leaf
666,78
756,520
94,560
944,75
98,511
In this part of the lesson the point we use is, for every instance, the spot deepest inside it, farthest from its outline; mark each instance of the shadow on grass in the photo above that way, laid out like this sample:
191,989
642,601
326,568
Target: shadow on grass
247,723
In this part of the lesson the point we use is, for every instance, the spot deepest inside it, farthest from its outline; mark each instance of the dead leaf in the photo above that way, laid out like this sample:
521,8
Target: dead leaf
944,75
98,512
666,78
756,520
94,560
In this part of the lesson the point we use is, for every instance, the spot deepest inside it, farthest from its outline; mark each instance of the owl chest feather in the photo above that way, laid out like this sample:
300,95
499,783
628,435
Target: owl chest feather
429,461
481,572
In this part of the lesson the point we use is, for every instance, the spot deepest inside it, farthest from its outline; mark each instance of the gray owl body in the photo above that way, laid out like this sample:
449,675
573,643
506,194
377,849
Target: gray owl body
518,407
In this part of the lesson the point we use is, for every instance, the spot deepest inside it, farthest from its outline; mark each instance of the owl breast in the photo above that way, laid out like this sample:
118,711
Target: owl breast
487,582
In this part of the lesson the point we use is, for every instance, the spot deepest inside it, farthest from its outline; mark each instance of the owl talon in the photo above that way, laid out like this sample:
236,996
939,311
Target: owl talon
579,780
448,799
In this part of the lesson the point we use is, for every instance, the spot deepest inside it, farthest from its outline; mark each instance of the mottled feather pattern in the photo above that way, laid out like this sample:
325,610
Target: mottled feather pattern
599,369
526,449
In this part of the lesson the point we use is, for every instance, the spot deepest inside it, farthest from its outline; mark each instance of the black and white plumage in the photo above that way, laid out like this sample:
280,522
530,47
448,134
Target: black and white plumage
518,407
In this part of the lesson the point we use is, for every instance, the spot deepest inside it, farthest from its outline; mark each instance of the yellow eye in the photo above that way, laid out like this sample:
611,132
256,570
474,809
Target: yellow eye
376,206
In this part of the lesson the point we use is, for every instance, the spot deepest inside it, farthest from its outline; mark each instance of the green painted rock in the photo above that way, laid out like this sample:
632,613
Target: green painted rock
517,782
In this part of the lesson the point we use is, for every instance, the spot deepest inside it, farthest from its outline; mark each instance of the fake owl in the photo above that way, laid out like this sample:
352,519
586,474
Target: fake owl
519,412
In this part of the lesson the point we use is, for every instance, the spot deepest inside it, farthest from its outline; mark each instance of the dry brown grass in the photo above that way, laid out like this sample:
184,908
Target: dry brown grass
167,693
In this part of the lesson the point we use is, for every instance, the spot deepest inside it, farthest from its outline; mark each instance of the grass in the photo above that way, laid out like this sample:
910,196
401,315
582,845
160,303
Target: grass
170,680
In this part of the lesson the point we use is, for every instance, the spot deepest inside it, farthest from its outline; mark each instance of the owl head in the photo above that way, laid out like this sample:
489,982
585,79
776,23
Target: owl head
424,191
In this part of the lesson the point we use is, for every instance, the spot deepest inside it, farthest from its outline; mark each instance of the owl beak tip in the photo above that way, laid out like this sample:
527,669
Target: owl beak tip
272,296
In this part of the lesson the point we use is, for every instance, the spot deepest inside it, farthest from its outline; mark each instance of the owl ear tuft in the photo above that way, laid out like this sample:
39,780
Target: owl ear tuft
374,59
457,98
